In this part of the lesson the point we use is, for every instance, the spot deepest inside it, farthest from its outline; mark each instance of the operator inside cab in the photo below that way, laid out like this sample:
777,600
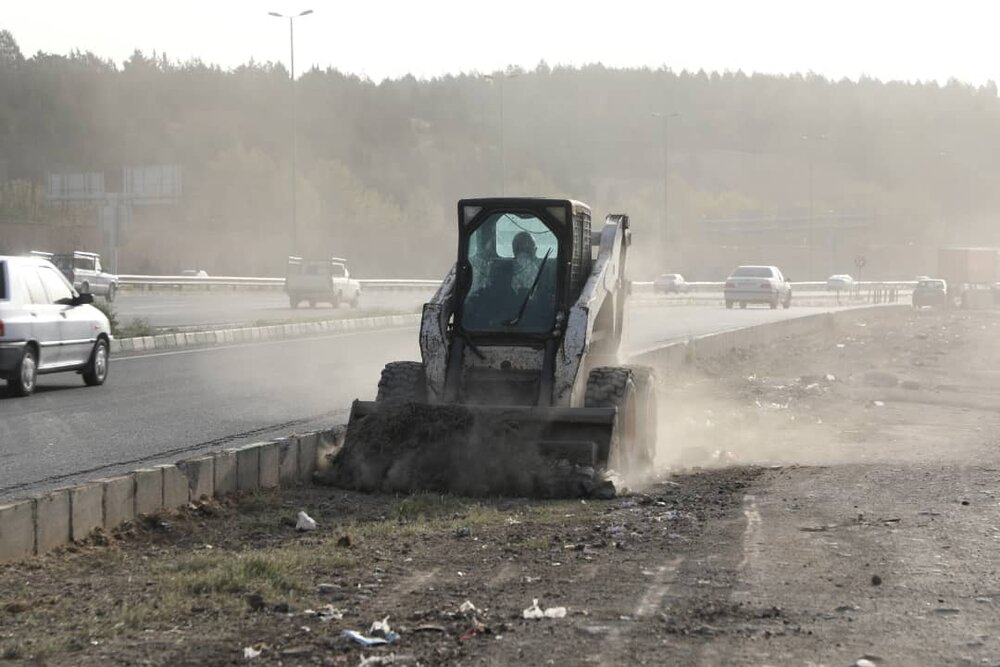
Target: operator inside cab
512,259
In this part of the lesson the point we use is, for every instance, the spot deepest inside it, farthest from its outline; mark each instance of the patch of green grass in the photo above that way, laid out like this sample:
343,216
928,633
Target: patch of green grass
427,506
139,326
537,543
208,574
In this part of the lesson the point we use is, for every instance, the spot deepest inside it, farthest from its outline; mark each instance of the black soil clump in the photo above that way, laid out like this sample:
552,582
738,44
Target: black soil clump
410,447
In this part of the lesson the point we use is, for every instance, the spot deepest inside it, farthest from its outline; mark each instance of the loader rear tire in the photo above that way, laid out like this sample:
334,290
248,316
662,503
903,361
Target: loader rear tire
615,387
402,382
645,451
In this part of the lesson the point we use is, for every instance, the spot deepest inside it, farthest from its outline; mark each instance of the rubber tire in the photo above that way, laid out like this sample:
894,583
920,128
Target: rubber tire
356,301
615,387
402,382
312,303
729,305
335,301
85,288
16,382
788,303
93,376
773,303
645,453
293,302
110,296
743,305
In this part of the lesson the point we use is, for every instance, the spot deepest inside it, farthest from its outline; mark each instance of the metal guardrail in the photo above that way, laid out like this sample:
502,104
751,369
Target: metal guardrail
148,282
145,282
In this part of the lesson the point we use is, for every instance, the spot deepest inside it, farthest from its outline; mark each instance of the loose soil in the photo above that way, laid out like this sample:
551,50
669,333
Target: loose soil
819,501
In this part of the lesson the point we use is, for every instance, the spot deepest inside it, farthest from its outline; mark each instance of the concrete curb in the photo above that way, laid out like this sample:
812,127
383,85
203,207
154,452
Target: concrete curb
252,334
32,526
675,355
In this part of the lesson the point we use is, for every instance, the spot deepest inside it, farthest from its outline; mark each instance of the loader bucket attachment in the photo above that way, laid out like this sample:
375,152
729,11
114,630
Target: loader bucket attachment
473,449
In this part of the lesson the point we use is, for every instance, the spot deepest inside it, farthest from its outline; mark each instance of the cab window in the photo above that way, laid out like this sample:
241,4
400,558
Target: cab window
512,258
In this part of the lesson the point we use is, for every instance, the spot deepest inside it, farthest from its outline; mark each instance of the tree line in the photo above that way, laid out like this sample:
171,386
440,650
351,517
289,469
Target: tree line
380,165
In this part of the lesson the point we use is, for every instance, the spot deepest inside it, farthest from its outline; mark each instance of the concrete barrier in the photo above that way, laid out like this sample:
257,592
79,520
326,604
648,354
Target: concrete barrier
36,525
250,334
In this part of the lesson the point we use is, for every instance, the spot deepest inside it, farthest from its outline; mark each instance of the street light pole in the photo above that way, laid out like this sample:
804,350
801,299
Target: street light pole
664,118
811,160
499,78
291,42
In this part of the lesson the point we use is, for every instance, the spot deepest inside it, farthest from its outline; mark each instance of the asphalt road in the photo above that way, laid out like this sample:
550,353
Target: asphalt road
203,308
160,407
195,308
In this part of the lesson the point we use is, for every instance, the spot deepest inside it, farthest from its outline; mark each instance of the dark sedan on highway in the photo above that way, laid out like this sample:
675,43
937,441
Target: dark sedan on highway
930,292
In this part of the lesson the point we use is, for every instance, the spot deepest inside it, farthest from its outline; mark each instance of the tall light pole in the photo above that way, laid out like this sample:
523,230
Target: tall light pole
665,119
291,41
499,78
810,143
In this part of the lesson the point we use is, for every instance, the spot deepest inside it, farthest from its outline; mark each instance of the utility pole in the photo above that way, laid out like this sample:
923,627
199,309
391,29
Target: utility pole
291,41
664,117
499,79
811,159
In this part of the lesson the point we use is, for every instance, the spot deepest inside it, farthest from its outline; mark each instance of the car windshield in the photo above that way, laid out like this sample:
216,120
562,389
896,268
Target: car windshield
753,272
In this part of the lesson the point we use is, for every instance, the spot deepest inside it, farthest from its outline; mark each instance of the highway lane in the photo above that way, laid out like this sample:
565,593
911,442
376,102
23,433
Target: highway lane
157,408
194,308
204,308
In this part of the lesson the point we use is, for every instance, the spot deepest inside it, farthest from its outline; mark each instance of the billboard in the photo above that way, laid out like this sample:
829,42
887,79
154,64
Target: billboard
83,186
152,184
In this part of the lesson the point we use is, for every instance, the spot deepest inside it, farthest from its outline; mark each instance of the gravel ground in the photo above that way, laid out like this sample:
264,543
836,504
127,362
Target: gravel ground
819,502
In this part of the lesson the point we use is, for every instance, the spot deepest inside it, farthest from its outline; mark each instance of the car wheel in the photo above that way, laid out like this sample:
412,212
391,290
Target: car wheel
356,301
312,303
743,305
96,371
85,288
293,302
773,303
729,304
22,382
110,296
788,303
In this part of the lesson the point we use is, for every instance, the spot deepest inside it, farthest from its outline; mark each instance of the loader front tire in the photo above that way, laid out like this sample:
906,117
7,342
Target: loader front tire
614,387
402,382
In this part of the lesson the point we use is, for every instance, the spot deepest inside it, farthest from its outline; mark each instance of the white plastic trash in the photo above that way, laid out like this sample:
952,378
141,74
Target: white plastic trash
305,522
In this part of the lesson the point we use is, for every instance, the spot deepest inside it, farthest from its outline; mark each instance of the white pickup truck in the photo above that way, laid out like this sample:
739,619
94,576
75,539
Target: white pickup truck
320,281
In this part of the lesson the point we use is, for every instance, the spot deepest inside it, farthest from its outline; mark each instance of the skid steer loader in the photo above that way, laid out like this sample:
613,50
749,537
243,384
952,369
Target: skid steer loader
525,332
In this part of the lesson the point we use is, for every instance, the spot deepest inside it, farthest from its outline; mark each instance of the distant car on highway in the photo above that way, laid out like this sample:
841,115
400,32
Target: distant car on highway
46,326
670,282
84,271
194,273
930,292
320,281
839,282
757,284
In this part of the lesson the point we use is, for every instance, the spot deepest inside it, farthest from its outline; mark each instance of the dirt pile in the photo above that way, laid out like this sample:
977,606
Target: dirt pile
451,449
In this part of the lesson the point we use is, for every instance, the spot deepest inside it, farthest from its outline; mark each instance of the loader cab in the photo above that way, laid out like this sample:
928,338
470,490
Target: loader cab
520,261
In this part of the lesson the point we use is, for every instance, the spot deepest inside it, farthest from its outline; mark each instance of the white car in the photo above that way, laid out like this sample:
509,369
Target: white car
757,284
670,282
46,326
839,281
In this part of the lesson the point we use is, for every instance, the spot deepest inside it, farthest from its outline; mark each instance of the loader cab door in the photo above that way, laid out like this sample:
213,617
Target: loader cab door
510,284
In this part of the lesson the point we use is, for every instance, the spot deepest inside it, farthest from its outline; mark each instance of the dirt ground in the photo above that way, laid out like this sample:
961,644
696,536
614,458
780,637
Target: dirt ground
818,502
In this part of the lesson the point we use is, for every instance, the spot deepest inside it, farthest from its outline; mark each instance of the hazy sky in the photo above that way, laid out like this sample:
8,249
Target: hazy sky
886,39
